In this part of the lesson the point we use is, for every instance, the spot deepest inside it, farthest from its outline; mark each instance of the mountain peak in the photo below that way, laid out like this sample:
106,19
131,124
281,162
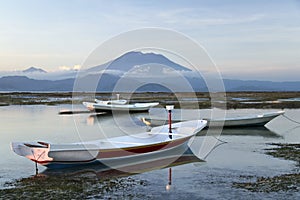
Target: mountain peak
34,70
130,59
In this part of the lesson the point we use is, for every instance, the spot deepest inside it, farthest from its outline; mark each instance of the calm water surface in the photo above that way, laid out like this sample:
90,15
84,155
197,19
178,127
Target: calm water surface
241,156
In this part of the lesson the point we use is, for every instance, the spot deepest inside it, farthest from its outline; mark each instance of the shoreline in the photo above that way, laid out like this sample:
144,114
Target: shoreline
283,182
229,100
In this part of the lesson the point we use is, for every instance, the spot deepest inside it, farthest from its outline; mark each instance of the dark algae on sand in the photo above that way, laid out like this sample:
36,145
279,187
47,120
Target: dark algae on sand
74,187
284,182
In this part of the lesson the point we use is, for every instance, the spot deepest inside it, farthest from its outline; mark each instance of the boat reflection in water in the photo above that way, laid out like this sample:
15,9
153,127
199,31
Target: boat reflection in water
238,131
107,118
103,172
168,186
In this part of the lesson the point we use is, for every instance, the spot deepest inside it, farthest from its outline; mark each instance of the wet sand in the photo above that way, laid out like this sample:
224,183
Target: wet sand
284,182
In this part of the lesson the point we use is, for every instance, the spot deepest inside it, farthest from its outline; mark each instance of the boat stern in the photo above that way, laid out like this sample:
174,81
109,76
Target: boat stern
89,106
35,151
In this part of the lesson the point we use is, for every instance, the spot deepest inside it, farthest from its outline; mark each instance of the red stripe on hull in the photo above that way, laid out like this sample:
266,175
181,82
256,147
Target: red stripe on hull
123,152
140,149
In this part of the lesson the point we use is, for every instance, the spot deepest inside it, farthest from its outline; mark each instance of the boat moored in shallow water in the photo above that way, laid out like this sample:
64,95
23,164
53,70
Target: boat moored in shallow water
236,121
108,150
118,105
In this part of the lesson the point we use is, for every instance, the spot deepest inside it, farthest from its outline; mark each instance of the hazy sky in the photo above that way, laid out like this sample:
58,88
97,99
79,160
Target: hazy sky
257,39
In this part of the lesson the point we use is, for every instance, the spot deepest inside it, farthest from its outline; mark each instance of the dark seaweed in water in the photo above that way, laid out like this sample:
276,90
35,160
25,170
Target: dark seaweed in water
78,187
286,151
285,182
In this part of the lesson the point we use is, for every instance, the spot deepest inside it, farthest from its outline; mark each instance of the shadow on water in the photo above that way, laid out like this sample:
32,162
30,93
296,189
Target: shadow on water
124,117
103,171
242,131
96,180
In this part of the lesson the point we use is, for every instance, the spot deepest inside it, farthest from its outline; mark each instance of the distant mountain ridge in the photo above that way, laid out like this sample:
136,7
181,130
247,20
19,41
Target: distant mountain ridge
107,83
34,70
253,85
23,83
126,63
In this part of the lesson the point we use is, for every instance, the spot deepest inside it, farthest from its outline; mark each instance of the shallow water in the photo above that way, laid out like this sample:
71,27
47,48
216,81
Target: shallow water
237,160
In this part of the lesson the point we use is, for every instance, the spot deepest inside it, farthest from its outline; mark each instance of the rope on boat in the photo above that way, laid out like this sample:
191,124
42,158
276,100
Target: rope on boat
36,160
215,146
292,120
221,141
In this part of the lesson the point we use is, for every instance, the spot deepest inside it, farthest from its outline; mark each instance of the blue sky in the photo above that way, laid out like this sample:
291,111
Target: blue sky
246,39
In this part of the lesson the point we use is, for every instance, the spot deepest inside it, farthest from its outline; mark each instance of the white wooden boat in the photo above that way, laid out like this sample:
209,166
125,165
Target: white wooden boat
118,105
111,149
250,120
237,121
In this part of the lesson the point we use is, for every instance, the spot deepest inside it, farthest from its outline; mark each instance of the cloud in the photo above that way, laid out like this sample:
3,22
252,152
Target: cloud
77,67
69,68
156,71
225,21
111,71
190,17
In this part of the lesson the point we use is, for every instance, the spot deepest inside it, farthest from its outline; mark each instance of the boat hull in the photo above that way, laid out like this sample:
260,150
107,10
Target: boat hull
138,107
247,121
240,122
121,161
258,120
99,106
109,110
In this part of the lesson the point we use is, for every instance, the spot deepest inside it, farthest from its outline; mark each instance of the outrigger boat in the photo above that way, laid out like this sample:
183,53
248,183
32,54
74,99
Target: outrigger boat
118,105
238,121
110,150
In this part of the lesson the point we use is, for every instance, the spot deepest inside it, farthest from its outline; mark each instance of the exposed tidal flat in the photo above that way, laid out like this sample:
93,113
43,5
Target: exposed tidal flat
253,163
280,183
227,100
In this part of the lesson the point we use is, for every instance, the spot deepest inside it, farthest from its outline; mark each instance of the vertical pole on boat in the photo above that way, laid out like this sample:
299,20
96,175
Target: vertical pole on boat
168,186
170,121
169,109
36,168
35,161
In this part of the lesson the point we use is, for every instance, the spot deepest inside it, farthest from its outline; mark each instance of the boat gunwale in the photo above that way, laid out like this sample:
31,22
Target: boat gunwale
124,148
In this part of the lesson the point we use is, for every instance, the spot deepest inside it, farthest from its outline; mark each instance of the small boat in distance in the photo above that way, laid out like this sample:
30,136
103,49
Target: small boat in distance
109,150
245,121
237,121
118,105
